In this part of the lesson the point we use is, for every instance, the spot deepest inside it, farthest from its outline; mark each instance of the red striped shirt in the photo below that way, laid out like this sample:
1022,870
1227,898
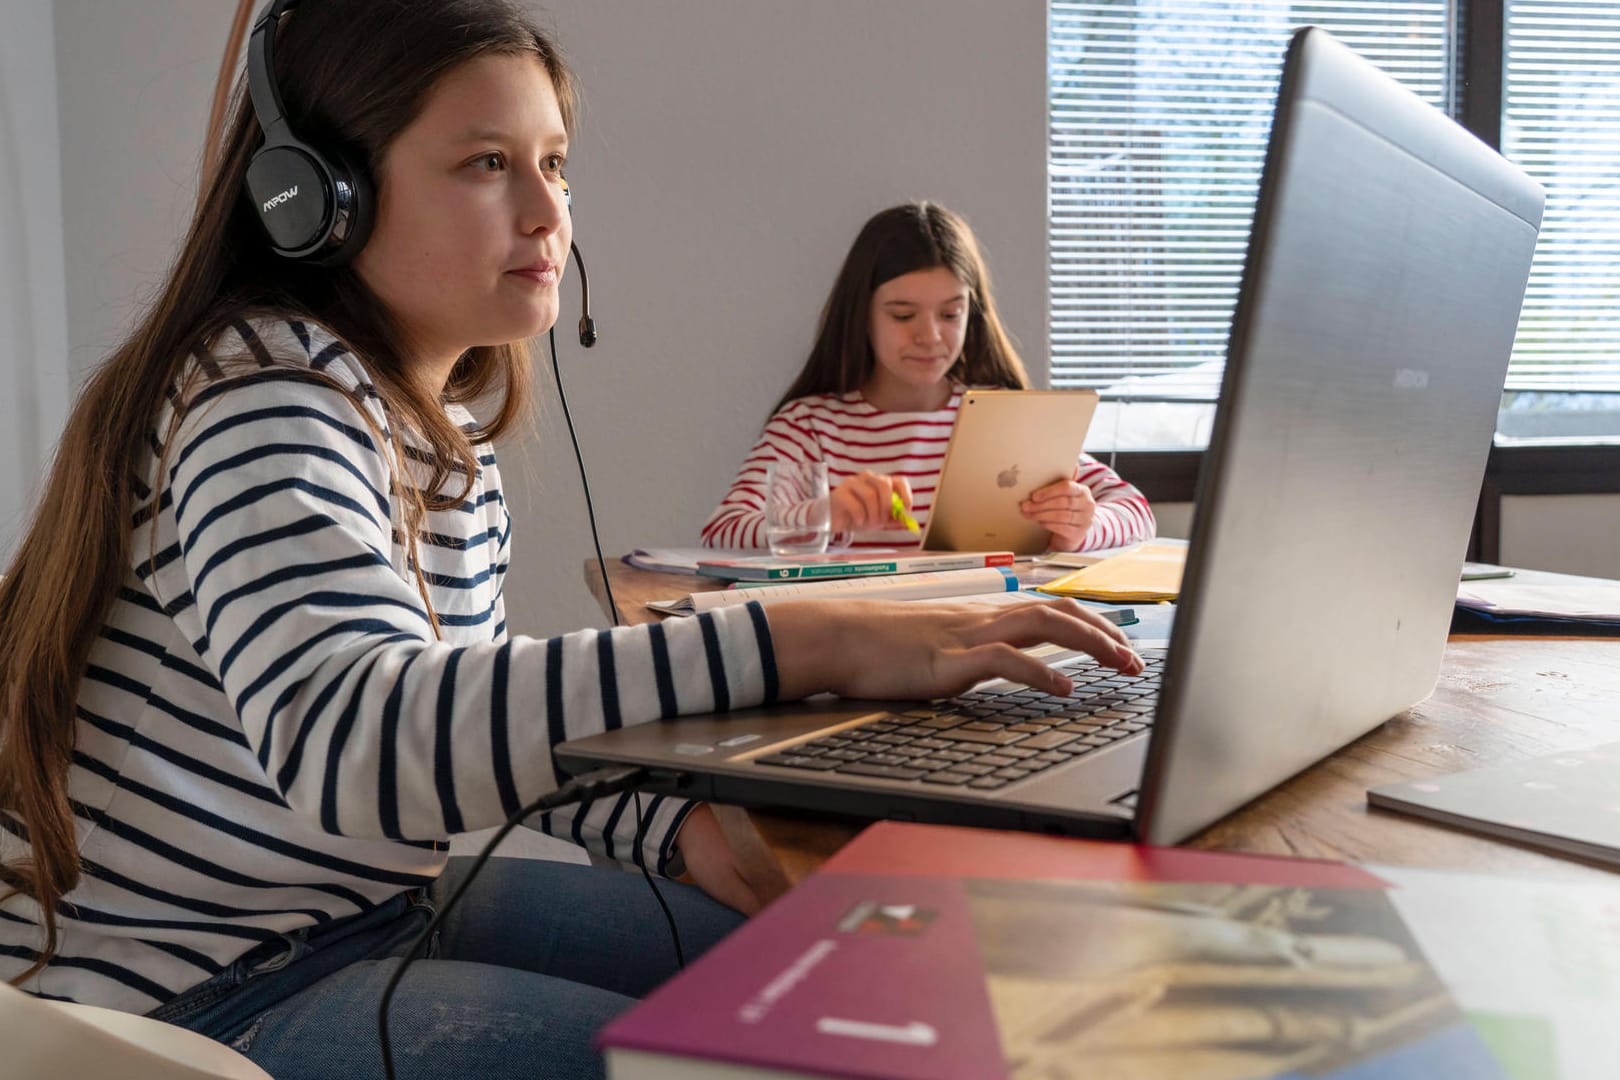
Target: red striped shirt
853,436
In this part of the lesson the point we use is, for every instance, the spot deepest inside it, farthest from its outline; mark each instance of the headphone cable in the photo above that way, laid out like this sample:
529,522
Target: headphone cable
583,788
584,481
601,563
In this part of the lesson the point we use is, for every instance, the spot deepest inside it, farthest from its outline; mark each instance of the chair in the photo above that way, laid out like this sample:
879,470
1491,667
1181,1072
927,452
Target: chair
52,1040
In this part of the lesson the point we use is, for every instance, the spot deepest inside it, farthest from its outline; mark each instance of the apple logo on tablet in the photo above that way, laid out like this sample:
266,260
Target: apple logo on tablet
1007,477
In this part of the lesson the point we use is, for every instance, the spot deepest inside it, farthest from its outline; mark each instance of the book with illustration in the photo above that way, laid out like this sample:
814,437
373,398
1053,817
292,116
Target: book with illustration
932,953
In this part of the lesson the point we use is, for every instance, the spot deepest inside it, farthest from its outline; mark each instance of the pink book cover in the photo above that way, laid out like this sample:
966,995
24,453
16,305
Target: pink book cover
936,953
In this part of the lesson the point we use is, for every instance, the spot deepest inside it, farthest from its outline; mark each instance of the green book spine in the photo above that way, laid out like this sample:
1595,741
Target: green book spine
847,569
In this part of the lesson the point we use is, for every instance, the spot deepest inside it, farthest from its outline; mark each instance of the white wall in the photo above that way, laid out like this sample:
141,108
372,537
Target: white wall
1570,534
730,151
134,82
33,319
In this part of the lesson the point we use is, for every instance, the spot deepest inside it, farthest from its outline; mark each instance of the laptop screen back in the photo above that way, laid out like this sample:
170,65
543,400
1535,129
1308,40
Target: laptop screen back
1380,296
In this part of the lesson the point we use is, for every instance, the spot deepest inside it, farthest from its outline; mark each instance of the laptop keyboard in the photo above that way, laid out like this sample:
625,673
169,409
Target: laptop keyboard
987,739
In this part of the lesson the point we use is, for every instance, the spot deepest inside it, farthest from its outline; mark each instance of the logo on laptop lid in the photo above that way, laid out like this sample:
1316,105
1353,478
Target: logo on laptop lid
1007,477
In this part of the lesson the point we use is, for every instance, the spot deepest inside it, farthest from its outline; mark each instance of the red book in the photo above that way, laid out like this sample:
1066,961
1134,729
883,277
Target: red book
935,953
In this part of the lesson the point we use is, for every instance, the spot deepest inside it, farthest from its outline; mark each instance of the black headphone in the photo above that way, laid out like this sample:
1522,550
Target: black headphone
316,206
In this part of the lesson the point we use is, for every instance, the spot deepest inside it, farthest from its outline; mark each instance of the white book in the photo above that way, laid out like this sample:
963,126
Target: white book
927,586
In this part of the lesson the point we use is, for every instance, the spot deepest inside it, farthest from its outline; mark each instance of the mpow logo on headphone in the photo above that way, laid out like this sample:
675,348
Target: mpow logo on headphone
271,204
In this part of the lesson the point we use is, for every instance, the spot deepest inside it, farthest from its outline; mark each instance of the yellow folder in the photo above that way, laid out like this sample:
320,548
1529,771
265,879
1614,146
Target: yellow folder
1146,574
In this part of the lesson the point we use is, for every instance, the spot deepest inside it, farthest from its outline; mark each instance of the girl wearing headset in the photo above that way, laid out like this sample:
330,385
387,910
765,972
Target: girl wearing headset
254,665
910,324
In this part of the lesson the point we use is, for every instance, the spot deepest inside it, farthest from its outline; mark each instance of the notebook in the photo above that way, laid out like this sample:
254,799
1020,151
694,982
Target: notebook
1380,295
1004,445
1567,802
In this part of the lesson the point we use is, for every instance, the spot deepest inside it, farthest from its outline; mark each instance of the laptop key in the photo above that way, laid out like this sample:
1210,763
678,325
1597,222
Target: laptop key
950,778
988,782
1051,740
886,772
997,737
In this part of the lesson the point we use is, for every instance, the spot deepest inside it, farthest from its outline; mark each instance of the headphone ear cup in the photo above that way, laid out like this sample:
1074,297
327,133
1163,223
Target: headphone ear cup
287,188
316,208
354,210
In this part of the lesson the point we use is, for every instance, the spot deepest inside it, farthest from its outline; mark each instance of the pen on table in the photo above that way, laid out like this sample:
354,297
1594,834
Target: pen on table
897,510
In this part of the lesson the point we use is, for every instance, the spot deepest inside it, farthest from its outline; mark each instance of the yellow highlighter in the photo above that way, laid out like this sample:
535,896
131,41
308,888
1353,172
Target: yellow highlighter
897,510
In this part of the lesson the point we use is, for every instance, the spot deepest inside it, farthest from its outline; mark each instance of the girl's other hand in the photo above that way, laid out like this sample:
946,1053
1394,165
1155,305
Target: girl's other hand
726,857
888,649
1065,509
866,501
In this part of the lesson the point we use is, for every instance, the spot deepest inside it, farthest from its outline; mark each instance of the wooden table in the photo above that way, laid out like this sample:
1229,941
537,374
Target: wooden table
1499,699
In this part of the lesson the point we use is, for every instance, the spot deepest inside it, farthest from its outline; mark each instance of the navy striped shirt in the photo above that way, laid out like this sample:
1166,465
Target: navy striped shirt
269,734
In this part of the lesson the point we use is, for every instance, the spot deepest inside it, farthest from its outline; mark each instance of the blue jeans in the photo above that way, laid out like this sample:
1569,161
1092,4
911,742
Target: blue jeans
536,957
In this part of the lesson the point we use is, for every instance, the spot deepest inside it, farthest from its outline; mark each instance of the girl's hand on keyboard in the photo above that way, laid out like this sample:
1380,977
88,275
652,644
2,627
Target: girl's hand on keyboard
885,649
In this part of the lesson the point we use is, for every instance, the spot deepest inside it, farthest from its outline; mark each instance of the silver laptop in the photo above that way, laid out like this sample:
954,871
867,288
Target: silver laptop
1004,445
1386,267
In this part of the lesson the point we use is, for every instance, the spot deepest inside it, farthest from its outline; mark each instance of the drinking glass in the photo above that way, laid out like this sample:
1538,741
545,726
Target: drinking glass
797,516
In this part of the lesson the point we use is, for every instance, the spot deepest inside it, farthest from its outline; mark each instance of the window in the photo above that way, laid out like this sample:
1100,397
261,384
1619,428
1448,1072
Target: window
1158,116
1561,123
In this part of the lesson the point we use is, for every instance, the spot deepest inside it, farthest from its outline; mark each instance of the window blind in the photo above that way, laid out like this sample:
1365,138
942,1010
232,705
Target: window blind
1158,116
1561,123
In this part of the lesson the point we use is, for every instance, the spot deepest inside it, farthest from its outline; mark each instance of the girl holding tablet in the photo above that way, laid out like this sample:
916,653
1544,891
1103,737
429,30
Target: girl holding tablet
910,324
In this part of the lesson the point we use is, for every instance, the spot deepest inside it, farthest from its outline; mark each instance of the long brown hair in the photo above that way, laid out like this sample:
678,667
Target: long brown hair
902,239
353,74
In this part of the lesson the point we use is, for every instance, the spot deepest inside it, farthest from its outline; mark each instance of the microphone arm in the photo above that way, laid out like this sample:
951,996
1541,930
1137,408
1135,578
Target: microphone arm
587,326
